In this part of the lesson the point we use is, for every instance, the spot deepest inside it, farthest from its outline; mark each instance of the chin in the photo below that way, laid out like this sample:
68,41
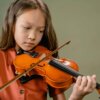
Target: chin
27,49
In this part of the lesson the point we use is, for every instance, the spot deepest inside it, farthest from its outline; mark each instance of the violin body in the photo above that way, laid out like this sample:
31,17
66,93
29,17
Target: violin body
53,76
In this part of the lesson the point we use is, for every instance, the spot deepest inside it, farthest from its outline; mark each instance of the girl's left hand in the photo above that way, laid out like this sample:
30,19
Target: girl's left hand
83,86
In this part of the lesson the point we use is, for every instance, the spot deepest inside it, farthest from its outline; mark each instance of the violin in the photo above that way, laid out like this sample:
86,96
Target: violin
53,76
58,73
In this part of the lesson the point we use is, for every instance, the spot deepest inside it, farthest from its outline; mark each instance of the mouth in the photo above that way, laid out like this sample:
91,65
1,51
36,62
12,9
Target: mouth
29,44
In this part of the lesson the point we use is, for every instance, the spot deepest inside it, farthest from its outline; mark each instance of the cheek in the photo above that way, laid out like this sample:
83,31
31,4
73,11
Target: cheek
19,38
40,37
19,34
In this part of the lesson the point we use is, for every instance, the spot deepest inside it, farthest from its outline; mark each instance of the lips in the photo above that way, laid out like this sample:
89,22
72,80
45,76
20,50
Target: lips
29,44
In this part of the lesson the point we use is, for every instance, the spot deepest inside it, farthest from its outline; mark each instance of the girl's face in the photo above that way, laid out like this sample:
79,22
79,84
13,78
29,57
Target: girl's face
29,29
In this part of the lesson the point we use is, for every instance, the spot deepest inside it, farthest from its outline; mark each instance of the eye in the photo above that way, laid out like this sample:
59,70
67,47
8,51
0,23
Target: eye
27,28
41,31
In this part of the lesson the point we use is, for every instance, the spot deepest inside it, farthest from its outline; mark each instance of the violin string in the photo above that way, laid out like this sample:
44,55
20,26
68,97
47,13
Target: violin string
31,67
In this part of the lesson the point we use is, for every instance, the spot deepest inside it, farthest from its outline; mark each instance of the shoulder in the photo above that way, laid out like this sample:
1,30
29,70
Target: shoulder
9,51
2,54
6,56
2,58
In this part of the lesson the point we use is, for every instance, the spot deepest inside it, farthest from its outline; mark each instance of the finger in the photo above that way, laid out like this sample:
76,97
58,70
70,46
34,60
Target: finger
93,81
89,84
84,82
89,87
78,81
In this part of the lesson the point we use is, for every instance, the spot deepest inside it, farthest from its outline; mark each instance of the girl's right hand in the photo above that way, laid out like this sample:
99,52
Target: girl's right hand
83,86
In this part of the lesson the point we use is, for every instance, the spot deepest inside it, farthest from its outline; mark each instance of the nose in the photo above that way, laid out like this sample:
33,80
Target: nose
32,35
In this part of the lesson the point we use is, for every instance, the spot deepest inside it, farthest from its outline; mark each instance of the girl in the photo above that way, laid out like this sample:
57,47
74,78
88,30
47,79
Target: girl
28,24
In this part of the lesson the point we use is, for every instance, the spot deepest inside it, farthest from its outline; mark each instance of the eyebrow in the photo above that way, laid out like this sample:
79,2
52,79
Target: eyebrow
41,26
32,25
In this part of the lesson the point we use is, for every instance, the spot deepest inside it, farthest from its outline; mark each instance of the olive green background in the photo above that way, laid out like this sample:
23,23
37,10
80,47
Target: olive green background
78,21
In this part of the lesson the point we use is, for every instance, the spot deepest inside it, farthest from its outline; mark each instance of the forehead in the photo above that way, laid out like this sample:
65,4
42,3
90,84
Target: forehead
33,16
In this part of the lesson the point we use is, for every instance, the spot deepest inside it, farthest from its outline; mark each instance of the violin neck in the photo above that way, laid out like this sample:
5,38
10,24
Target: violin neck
64,68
